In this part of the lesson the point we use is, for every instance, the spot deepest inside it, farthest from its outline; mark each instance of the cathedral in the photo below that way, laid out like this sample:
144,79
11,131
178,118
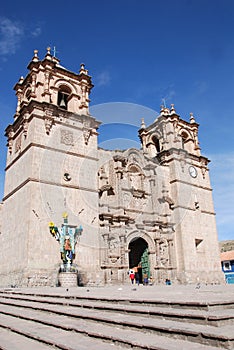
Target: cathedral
149,209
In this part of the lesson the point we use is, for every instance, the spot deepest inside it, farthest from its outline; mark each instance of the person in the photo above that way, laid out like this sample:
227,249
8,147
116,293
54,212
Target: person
145,279
132,276
151,281
168,282
137,279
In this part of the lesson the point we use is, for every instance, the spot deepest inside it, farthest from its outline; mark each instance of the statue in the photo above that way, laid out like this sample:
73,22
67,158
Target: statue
67,236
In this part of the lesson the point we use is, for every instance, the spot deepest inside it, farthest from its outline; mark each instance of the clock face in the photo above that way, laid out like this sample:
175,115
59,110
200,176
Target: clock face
193,171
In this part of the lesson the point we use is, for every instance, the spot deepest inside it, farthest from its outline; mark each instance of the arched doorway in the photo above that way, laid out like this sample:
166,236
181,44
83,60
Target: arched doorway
139,257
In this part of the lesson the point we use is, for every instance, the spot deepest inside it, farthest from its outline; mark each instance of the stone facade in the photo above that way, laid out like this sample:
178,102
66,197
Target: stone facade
148,209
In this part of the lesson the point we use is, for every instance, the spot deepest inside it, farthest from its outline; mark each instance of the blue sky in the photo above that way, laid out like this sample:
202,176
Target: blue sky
138,53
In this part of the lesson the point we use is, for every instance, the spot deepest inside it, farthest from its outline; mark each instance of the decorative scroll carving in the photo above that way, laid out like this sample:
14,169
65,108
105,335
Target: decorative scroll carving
25,125
18,144
10,135
48,120
164,252
87,133
203,167
48,125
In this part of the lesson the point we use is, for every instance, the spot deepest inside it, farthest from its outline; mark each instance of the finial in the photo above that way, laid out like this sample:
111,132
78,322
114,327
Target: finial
48,54
172,110
82,69
192,119
35,57
143,123
164,111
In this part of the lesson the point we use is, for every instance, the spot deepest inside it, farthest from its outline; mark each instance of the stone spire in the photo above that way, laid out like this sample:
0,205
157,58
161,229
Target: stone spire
172,110
192,119
82,69
35,57
48,55
143,123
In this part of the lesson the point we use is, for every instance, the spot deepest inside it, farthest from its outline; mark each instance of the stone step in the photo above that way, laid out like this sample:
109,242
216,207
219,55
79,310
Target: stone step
202,334
214,317
70,333
21,334
14,341
169,302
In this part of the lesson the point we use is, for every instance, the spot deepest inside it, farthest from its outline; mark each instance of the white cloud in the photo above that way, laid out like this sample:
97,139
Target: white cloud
103,79
11,34
36,32
168,95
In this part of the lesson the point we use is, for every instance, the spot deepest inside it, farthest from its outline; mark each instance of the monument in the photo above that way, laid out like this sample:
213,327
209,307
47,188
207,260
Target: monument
67,236
148,209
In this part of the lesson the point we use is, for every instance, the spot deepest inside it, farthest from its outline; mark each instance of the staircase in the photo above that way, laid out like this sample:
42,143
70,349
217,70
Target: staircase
70,320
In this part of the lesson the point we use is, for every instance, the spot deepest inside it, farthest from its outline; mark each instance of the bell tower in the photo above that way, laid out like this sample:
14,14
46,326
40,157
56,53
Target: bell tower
173,143
52,150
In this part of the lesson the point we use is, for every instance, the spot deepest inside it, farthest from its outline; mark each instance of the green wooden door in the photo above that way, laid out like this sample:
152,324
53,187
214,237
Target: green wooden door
145,263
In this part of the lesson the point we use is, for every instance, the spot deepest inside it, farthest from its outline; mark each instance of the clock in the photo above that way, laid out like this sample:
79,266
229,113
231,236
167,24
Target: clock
193,171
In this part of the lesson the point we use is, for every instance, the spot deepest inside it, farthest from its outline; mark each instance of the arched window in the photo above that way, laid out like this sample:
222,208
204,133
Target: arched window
63,96
184,138
28,93
155,140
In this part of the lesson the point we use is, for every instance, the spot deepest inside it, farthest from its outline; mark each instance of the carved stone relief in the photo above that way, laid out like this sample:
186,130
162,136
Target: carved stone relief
67,138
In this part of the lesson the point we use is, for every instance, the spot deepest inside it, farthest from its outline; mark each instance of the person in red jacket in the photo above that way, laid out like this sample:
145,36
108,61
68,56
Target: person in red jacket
132,276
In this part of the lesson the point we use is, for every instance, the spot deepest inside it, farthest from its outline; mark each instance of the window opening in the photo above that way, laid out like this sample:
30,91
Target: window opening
28,94
156,143
226,265
199,246
62,100
63,97
184,137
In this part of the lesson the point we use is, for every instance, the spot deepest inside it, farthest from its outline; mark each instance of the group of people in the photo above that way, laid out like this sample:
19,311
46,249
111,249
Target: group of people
135,277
